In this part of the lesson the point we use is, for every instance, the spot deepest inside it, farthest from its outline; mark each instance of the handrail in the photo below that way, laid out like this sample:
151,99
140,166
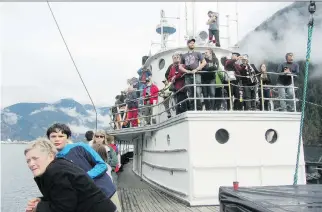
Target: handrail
230,98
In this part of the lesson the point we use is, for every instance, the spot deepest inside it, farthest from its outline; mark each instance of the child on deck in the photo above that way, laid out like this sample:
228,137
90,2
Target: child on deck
101,150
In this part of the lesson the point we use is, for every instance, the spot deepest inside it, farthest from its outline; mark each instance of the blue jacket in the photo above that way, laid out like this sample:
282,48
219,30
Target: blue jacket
89,160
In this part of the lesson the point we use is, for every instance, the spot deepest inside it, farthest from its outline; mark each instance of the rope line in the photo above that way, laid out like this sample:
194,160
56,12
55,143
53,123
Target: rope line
312,9
71,57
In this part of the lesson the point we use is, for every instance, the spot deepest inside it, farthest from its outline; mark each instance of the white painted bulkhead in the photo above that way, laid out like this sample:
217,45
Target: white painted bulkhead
191,164
153,63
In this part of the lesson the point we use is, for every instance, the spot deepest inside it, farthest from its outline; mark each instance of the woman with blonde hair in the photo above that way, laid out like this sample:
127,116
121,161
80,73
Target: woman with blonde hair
100,137
64,185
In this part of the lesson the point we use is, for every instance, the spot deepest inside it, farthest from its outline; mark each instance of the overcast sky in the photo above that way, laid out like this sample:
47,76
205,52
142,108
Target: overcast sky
107,41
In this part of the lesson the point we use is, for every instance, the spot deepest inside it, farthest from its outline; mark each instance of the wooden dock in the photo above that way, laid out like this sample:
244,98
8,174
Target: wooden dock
136,196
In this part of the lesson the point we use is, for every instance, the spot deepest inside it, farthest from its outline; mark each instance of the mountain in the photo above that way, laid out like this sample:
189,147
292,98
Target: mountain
287,31
27,121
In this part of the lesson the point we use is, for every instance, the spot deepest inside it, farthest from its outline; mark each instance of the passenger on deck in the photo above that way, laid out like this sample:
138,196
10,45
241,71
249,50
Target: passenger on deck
210,79
233,65
119,105
64,185
132,106
194,62
143,73
266,80
101,137
176,77
115,155
250,83
165,93
84,156
213,23
288,67
101,150
150,96
89,135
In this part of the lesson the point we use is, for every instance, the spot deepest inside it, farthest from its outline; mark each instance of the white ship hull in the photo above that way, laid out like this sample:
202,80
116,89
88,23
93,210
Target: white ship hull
182,157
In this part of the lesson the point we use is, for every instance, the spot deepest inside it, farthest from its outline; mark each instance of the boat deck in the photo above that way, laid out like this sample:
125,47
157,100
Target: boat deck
136,195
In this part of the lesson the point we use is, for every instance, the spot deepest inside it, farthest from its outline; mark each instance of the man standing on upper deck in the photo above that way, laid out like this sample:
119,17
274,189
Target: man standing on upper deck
233,64
194,62
288,68
213,23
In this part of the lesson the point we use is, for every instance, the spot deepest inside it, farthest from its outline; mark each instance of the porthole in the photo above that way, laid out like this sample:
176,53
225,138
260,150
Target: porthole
271,136
168,139
222,136
161,63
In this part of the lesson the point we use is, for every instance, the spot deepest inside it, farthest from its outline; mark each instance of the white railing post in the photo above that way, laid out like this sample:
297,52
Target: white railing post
294,97
195,91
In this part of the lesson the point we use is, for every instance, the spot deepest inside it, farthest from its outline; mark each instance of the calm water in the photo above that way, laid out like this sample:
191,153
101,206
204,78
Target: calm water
17,184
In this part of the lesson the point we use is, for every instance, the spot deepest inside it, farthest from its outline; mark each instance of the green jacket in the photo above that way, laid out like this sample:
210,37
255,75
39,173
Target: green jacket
112,158
220,76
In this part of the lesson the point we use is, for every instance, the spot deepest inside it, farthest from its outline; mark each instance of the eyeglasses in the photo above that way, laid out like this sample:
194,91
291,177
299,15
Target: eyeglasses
99,136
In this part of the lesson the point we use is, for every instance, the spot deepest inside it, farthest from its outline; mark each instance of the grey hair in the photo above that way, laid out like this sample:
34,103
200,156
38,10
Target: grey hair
43,144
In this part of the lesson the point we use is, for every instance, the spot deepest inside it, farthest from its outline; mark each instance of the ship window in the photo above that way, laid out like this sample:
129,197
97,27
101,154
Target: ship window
161,63
271,136
222,136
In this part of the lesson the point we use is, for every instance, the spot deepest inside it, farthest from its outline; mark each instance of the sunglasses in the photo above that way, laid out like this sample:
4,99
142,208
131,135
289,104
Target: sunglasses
99,136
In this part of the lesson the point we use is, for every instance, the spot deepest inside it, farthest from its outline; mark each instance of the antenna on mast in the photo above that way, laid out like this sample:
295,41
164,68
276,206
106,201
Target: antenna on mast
237,25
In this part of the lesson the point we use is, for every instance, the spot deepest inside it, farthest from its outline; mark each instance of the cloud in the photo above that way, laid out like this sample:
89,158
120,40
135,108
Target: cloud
103,121
9,117
291,28
47,108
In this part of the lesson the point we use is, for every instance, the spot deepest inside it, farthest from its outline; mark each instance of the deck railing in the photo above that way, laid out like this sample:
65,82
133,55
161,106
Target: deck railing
119,118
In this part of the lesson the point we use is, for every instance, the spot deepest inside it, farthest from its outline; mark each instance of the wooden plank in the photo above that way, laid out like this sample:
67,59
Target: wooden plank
138,196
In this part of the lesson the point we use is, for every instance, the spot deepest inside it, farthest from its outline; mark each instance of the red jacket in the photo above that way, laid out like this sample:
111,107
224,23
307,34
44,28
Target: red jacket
154,90
179,79
230,65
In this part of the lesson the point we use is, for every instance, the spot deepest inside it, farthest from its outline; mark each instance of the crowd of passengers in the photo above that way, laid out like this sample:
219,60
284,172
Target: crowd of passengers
247,86
74,176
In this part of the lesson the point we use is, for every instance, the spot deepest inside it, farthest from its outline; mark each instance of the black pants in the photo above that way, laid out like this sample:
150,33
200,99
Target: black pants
182,107
235,91
216,34
209,91
220,103
266,92
250,97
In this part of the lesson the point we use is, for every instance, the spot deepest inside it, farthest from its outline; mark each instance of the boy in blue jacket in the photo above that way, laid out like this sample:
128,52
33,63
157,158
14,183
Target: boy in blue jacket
85,157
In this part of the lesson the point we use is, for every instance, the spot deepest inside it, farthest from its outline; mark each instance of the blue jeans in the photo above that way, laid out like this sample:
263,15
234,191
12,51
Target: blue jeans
286,93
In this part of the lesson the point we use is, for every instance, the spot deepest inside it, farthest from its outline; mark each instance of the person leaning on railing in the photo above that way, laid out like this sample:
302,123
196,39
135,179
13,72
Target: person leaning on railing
165,93
176,78
233,65
265,80
288,68
64,185
194,62
150,96
132,106
209,78
250,82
